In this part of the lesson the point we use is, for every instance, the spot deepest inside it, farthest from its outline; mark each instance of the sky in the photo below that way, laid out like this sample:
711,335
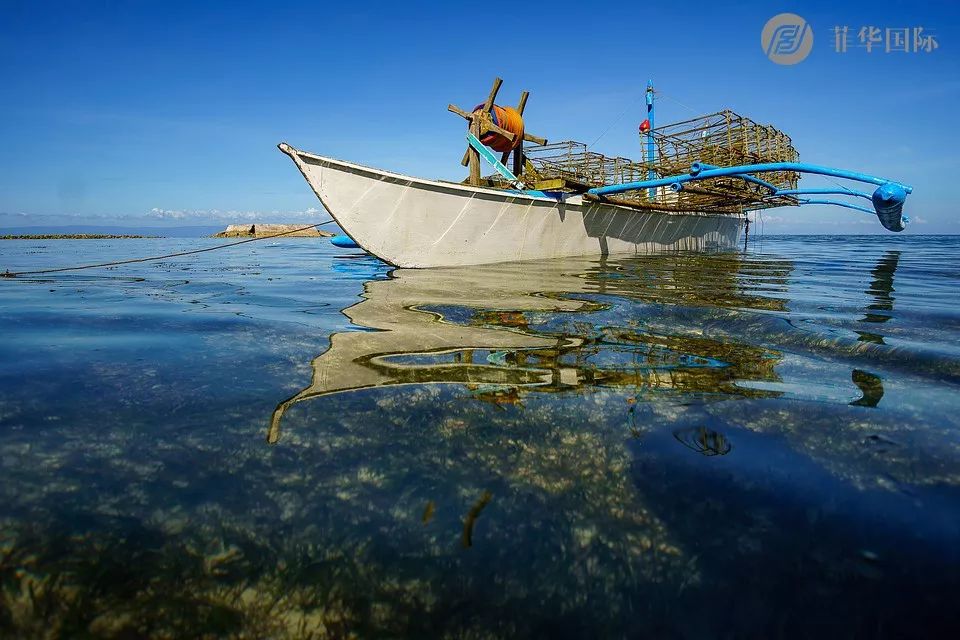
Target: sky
146,113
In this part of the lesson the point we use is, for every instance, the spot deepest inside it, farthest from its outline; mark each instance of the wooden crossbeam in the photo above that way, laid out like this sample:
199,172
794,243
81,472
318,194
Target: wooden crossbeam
460,112
497,82
523,102
561,184
486,124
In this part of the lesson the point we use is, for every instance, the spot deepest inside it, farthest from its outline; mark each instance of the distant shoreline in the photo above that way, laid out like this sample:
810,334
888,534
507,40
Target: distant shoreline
74,236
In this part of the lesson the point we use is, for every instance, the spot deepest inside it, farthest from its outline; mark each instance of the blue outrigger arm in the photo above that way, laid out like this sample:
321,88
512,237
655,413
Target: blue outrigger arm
888,199
839,191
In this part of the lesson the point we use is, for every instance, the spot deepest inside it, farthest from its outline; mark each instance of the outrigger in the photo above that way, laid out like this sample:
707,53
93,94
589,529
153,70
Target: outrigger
692,190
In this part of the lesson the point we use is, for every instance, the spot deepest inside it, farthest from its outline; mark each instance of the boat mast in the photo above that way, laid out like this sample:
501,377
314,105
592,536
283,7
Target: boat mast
651,174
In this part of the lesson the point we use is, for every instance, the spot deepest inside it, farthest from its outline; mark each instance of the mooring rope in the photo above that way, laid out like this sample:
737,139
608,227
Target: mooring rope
14,274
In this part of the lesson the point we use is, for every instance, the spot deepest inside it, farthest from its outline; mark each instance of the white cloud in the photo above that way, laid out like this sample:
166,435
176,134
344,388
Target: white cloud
232,215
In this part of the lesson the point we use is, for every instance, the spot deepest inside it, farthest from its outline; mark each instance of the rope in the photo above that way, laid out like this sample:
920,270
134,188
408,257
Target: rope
669,97
615,121
14,274
659,94
506,118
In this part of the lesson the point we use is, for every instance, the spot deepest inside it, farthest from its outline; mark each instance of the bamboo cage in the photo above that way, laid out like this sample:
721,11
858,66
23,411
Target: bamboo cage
572,160
723,139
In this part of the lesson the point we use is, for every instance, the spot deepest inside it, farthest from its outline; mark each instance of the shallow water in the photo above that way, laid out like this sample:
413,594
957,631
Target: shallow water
286,440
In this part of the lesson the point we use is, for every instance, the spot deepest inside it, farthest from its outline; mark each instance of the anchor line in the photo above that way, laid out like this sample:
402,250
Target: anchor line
616,120
14,274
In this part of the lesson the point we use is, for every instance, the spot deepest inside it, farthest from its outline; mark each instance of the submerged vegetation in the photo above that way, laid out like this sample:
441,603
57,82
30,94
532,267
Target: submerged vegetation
672,447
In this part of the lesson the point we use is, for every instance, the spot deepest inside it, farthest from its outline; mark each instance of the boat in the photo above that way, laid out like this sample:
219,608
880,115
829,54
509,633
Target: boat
692,190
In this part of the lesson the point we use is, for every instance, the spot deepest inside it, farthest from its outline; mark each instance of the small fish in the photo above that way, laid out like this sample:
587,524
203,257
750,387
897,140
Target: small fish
485,499
428,511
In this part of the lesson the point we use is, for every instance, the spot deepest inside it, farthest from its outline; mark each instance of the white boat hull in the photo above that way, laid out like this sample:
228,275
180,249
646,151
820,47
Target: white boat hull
411,222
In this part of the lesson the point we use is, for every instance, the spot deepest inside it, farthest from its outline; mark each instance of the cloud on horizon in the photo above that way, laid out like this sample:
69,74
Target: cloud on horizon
232,215
162,216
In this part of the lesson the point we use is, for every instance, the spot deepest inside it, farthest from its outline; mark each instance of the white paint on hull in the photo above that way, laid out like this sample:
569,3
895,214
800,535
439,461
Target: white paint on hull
411,222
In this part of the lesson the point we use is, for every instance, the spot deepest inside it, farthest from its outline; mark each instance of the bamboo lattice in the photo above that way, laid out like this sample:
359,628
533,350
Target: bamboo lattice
723,139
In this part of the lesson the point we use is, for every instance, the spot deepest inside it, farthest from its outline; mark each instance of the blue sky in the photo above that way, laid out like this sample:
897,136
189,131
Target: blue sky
166,112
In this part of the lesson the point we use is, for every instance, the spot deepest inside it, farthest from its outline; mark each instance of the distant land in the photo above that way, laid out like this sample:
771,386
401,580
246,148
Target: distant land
71,236
112,230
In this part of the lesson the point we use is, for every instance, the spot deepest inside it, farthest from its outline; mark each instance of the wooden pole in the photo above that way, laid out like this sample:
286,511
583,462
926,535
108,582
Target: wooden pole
474,154
487,105
523,102
518,152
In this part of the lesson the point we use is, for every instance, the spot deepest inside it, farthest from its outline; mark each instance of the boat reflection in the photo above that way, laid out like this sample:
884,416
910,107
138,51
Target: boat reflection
879,310
881,293
554,326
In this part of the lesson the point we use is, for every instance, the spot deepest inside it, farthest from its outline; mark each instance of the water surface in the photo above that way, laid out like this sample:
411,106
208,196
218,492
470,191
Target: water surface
289,440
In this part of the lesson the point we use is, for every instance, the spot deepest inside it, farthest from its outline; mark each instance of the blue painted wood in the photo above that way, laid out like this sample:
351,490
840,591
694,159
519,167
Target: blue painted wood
825,192
800,167
839,203
698,167
487,155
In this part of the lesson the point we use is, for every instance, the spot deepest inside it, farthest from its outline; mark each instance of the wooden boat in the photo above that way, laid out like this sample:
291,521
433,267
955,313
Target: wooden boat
411,222
692,191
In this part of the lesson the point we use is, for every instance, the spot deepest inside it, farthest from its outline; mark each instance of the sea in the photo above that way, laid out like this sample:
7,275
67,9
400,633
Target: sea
286,439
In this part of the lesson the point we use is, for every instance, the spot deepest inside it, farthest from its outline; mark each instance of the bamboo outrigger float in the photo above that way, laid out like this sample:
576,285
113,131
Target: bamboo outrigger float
692,190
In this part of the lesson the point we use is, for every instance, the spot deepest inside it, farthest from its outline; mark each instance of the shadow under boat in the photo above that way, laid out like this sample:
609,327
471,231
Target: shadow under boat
472,326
